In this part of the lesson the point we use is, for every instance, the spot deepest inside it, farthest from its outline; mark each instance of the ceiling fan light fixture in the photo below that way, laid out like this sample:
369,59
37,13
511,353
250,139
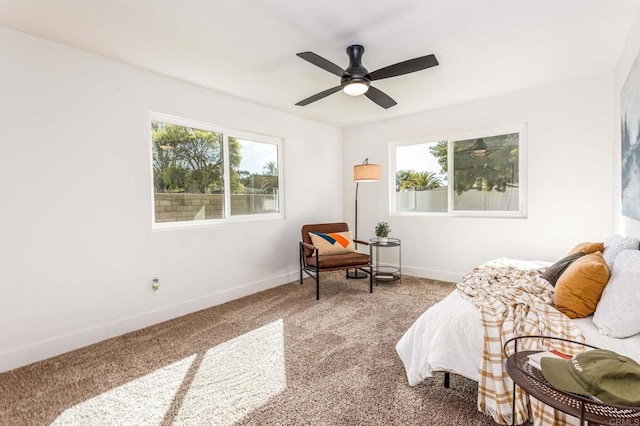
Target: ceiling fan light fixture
480,148
356,88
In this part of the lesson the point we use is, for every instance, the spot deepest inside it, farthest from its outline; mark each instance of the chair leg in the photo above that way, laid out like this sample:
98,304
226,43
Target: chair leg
316,255
446,379
301,261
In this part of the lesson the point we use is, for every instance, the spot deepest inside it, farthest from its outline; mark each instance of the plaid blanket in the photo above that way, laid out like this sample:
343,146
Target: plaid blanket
515,302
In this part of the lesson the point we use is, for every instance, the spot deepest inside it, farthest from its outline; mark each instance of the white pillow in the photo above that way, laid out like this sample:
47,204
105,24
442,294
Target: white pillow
615,244
617,313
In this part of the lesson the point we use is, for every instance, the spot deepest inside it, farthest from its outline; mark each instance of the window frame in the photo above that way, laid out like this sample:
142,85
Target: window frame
226,134
521,213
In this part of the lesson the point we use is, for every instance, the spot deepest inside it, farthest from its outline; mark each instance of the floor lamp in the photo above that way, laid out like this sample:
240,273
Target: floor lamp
364,172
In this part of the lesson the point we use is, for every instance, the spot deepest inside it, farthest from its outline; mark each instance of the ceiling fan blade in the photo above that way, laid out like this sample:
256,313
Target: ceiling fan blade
321,62
406,67
319,96
379,97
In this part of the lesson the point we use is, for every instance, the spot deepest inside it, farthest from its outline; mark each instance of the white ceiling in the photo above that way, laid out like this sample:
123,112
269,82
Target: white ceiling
246,48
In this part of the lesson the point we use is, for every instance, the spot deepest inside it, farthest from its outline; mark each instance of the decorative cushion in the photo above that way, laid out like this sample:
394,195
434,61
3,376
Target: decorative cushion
615,244
332,243
587,248
554,271
617,312
579,288
342,261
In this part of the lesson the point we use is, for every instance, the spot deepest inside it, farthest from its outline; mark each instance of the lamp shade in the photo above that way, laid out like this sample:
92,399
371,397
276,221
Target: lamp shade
366,172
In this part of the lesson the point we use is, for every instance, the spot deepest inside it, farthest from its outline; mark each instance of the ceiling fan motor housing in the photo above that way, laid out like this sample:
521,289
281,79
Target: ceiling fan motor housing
355,72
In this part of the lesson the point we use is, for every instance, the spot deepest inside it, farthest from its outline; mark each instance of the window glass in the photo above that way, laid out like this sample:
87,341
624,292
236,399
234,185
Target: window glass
187,173
254,177
421,181
486,174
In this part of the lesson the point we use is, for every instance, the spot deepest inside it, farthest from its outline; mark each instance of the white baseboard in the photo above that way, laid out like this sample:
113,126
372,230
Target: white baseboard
39,351
432,274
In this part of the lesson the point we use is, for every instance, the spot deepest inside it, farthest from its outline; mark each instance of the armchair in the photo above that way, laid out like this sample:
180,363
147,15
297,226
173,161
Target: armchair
333,250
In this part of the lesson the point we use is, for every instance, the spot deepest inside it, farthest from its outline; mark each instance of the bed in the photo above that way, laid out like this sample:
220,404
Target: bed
450,336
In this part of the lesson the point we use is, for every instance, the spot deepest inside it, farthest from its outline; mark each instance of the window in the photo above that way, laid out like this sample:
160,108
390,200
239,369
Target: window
474,175
203,174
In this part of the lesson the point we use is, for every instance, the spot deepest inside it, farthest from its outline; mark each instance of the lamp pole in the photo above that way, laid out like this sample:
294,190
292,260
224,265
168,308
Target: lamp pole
356,233
356,273
364,172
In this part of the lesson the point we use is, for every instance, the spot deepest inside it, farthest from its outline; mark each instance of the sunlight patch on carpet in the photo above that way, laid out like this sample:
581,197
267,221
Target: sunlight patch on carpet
236,377
218,387
141,401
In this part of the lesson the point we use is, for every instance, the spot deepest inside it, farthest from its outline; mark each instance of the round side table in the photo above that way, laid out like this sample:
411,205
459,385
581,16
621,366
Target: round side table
386,273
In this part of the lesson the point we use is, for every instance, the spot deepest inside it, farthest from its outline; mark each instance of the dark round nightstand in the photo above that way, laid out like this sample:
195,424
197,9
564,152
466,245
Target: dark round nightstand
531,380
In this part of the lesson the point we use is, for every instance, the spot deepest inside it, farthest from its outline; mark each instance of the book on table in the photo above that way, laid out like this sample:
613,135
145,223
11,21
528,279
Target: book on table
534,359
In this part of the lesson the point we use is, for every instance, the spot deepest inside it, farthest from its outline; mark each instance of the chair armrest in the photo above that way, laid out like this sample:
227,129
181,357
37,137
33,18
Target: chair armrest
307,245
303,257
361,242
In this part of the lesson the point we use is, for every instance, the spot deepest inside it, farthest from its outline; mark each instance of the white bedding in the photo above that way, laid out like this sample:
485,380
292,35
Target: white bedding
448,337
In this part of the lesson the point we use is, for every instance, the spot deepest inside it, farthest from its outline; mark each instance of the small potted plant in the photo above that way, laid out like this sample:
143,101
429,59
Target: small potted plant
382,232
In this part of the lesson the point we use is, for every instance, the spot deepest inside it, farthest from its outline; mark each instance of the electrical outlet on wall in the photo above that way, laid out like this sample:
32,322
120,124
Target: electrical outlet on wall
155,286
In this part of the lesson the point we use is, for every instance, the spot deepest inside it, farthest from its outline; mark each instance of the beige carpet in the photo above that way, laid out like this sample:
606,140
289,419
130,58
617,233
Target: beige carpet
278,357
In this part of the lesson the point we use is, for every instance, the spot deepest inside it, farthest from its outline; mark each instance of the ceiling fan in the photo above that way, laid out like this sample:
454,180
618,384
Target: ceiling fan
356,80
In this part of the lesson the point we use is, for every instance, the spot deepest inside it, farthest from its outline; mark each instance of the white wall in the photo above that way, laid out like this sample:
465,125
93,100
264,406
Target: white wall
622,224
569,178
77,252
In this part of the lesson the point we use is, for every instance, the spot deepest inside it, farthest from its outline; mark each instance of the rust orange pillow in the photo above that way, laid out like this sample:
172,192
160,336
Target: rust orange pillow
587,248
580,286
